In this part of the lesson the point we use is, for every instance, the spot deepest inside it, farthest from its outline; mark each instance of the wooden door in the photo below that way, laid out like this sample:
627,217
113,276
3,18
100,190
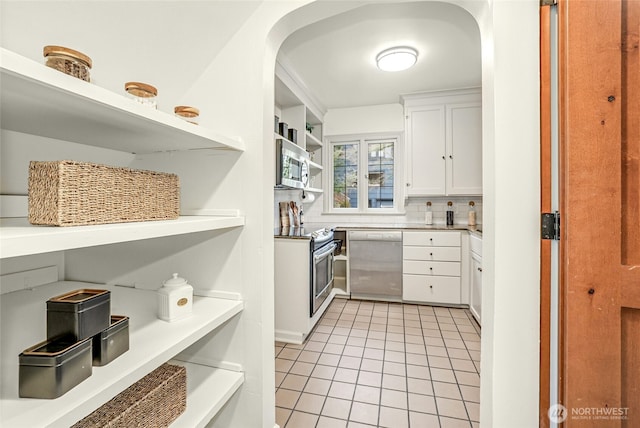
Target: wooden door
599,91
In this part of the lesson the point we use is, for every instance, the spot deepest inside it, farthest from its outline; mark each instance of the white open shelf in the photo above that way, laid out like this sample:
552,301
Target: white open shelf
208,389
19,238
152,343
39,100
315,166
313,143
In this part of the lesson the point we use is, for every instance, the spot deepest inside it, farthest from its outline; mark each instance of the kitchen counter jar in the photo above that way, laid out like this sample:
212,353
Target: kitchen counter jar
68,61
142,93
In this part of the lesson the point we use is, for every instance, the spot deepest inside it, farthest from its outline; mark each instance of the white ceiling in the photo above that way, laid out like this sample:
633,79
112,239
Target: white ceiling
335,58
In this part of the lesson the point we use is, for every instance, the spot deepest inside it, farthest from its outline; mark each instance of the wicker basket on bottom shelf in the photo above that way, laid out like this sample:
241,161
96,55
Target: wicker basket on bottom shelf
156,400
70,193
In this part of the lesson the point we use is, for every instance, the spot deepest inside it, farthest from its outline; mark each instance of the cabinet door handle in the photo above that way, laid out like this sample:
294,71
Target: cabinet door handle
408,184
450,157
443,158
479,269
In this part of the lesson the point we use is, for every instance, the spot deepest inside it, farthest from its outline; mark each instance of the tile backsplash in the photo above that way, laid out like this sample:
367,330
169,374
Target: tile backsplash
415,209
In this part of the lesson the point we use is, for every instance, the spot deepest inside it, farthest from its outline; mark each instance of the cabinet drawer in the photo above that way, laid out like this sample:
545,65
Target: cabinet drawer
435,289
445,254
422,267
432,239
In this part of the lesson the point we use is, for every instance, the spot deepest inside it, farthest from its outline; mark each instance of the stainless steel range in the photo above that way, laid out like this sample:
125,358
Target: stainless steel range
321,267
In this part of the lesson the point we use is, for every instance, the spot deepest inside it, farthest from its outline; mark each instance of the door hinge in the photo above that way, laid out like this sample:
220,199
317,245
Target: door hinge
550,226
548,2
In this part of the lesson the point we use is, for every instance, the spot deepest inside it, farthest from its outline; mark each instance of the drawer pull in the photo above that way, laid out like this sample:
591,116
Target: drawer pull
431,254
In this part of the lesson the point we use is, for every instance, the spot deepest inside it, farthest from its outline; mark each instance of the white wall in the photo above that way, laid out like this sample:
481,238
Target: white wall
511,265
366,119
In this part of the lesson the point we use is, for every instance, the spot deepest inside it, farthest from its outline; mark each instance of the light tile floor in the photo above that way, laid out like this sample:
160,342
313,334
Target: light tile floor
382,364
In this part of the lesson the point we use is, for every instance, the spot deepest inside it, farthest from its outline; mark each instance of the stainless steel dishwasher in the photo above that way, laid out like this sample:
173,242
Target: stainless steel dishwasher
375,264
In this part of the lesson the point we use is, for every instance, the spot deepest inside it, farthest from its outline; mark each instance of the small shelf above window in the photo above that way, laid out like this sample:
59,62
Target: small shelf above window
39,100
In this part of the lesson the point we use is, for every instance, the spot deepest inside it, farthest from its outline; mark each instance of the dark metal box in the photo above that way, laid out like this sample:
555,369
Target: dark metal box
79,314
284,129
293,135
51,368
112,342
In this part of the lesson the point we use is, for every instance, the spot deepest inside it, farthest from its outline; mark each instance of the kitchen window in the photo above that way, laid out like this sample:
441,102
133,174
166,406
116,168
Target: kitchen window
363,175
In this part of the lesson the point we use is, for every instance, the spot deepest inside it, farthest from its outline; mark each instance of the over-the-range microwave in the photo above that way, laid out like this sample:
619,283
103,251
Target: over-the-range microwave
292,165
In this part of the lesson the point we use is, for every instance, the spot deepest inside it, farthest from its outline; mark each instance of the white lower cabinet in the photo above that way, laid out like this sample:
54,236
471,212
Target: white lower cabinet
435,289
432,267
475,296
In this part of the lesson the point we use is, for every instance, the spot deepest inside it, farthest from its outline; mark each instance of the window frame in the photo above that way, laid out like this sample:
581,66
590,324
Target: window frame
363,185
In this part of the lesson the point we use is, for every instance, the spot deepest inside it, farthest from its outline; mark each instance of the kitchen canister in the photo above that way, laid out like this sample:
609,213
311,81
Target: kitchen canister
142,93
68,61
78,314
187,113
175,299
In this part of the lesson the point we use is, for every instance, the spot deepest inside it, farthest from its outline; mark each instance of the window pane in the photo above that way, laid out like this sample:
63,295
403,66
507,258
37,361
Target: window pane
380,174
345,175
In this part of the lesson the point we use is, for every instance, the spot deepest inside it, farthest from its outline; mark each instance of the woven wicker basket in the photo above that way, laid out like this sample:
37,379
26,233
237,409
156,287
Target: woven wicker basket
156,400
69,193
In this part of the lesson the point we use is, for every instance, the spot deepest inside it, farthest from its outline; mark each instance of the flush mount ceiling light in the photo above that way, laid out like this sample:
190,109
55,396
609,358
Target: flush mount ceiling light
397,59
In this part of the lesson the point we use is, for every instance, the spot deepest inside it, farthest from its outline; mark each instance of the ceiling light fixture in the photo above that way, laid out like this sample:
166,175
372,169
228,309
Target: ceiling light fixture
397,59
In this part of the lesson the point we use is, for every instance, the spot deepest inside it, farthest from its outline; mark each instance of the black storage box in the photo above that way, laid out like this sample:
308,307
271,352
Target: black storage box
284,129
112,342
79,314
275,123
293,135
51,368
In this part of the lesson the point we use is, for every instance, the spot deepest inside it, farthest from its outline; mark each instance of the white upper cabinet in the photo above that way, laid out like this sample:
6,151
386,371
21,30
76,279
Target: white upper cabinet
444,143
464,149
426,150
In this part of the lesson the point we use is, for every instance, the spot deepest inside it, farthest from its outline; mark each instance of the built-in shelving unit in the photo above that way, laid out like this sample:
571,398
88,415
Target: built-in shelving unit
303,114
19,238
39,100
152,342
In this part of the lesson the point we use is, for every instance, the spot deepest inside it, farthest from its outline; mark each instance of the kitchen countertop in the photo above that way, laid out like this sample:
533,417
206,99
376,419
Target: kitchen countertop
303,232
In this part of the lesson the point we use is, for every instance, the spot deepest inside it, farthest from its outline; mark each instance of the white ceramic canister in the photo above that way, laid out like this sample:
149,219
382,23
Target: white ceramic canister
175,299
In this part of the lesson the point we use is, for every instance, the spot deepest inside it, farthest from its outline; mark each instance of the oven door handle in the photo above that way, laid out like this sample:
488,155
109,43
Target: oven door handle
322,255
